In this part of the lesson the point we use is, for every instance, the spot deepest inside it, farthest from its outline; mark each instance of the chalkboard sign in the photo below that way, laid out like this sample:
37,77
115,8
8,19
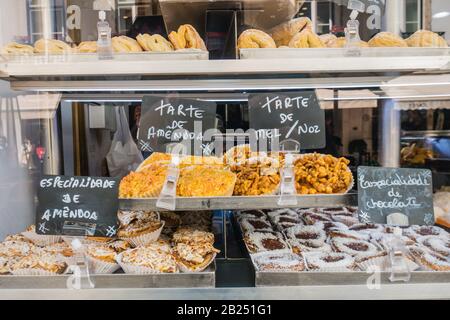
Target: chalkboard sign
167,120
383,191
77,206
297,116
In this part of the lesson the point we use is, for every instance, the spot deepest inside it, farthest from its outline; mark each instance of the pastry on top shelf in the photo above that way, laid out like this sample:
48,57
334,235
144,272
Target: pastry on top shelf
124,44
306,39
15,48
283,33
186,37
188,161
155,158
257,176
155,43
387,39
146,183
53,47
414,154
341,42
253,39
205,181
316,173
87,47
425,38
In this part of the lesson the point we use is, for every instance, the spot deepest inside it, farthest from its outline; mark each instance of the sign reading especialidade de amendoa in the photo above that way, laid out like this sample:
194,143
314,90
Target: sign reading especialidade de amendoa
167,119
77,206
294,116
383,191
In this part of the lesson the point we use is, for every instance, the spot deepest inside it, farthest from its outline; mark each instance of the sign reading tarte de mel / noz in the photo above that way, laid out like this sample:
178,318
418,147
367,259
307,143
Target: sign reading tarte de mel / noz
166,120
77,206
293,116
384,191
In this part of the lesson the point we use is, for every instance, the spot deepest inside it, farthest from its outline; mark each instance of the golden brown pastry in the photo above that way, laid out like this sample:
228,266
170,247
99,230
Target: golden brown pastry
17,49
87,47
283,33
52,46
387,39
253,38
187,38
341,42
155,43
306,39
125,44
425,38
205,181
328,39
146,183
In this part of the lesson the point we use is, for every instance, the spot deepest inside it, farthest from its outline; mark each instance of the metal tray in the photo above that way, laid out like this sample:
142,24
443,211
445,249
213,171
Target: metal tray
205,279
243,203
308,278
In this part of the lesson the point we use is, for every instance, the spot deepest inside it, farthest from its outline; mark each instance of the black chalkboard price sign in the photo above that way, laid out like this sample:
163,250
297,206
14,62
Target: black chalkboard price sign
297,116
167,120
77,206
384,191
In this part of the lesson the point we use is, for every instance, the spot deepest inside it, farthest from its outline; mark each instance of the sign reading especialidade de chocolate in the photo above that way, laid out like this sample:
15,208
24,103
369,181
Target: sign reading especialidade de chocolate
77,206
167,119
294,116
383,191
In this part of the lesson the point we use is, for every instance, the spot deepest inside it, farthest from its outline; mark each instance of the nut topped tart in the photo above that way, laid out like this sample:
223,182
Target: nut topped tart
192,236
102,252
39,264
194,257
145,183
138,228
145,260
16,249
205,181
316,173
257,176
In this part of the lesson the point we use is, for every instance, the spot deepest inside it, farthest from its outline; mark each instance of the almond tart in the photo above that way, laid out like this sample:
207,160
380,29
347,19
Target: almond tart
205,181
145,183
102,258
155,158
191,236
194,257
144,260
39,264
140,233
39,239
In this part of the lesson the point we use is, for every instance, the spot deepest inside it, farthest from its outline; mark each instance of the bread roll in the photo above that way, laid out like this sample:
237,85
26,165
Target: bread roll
52,46
253,38
425,38
306,39
154,43
187,38
125,44
17,49
283,33
87,47
387,39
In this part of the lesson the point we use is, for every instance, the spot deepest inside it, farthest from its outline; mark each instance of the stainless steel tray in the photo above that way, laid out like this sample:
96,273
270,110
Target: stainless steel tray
241,203
205,279
307,278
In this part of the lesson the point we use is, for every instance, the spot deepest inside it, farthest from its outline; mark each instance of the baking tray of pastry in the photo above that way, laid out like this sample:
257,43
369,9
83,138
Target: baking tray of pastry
360,59
205,279
241,202
183,54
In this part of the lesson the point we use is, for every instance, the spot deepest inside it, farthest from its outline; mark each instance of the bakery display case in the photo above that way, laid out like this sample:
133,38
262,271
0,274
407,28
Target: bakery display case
237,224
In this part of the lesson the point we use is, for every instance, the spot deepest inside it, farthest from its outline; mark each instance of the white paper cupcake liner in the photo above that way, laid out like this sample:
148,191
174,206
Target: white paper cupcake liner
102,267
382,263
133,269
144,239
185,269
41,240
